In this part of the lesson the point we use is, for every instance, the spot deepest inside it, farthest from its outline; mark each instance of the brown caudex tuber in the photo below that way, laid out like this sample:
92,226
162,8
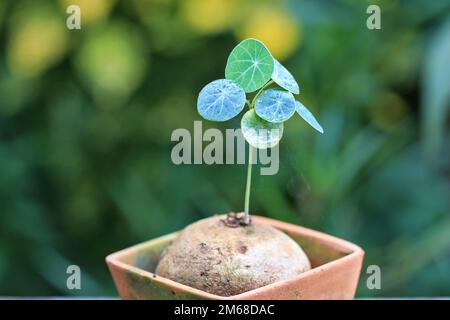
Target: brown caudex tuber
212,256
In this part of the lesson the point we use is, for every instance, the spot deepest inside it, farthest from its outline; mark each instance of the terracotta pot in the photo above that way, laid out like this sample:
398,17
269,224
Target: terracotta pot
336,265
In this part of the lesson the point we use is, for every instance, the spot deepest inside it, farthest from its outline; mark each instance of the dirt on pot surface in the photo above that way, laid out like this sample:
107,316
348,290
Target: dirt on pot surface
210,256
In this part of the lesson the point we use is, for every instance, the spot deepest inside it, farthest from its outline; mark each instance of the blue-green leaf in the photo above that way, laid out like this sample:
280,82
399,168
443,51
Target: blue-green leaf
220,100
275,105
284,78
307,116
259,133
250,65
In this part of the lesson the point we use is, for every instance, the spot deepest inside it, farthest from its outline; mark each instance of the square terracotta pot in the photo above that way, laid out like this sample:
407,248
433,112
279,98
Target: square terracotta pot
336,265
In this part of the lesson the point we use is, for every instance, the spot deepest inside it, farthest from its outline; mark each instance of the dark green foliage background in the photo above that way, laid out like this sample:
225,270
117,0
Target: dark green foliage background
85,166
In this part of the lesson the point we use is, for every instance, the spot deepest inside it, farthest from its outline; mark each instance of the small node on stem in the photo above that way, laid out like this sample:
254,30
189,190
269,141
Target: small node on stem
234,220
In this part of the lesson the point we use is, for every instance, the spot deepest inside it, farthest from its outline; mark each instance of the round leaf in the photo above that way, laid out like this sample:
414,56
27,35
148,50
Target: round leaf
307,116
220,100
250,65
284,78
260,133
275,105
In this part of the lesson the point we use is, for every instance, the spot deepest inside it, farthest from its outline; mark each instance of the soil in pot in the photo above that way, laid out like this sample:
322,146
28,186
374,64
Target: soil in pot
219,257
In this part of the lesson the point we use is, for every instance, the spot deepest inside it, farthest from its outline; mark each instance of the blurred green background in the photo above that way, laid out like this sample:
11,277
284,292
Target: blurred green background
86,118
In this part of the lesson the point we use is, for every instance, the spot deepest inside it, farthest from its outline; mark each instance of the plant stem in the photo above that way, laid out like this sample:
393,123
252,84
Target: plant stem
250,160
247,187
261,90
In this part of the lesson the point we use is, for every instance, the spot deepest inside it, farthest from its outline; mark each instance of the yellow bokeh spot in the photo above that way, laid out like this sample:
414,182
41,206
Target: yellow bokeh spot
92,11
37,42
274,26
112,60
211,16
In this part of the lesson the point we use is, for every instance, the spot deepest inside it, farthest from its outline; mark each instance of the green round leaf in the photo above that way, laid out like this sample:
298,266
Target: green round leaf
307,116
275,105
284,78
220,100
260,133
250,65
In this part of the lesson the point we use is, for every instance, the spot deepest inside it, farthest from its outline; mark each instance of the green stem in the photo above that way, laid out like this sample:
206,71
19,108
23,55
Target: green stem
261,90
250,160
247,187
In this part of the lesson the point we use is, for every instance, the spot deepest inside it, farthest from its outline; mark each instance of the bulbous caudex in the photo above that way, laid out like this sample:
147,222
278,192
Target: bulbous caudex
212,256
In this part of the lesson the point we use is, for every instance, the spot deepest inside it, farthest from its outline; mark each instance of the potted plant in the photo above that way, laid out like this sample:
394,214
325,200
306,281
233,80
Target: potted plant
238,256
